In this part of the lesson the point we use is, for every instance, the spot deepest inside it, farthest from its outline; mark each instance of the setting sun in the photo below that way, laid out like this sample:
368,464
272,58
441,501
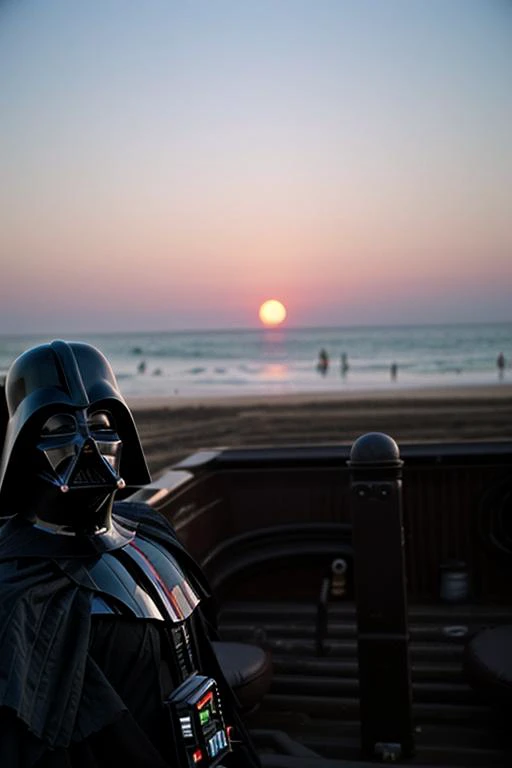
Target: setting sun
272,312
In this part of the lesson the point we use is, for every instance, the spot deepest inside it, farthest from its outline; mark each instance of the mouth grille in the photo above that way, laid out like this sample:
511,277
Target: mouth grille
89,476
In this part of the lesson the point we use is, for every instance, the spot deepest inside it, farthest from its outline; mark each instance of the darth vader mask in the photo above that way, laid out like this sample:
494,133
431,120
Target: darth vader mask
71,442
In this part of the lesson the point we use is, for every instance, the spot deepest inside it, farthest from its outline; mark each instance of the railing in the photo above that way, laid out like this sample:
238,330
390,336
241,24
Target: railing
450,492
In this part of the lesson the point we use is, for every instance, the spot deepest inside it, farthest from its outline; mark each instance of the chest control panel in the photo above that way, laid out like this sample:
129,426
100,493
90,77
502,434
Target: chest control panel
197,711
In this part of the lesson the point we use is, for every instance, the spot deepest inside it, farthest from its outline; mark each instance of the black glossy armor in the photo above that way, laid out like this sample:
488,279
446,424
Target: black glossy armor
71,441
106,622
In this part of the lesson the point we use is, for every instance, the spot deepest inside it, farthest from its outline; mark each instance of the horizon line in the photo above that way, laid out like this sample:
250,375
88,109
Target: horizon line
245,329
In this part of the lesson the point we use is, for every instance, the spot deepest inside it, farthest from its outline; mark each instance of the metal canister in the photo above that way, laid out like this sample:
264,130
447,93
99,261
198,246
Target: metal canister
454,582
338,577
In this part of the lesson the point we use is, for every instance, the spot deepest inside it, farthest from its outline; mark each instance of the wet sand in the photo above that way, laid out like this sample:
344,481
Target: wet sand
172,428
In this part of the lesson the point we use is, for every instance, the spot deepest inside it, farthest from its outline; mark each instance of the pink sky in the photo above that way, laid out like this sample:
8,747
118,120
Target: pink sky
168,167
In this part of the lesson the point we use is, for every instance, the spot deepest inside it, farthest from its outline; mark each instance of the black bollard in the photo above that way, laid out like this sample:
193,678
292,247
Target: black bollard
381,599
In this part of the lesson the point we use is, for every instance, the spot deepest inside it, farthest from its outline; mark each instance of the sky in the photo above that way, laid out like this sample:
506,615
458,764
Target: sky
170,165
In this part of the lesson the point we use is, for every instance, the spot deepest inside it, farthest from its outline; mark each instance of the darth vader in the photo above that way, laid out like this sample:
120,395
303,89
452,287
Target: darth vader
106,621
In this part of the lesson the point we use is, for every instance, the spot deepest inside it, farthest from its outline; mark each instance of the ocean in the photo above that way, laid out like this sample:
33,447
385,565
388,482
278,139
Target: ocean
284,360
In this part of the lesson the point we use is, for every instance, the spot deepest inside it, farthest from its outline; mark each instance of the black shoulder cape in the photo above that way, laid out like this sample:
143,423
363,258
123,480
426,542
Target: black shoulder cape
50,687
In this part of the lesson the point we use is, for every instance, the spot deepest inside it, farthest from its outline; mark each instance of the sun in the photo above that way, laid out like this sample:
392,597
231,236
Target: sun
272,312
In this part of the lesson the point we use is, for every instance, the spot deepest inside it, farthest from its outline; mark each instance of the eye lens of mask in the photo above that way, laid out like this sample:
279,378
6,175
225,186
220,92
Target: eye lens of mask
100,421
59,425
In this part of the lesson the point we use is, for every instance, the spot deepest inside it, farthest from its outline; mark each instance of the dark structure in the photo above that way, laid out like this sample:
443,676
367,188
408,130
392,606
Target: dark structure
380,591
272,525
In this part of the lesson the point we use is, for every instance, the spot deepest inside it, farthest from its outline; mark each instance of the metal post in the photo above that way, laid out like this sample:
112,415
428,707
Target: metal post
381,599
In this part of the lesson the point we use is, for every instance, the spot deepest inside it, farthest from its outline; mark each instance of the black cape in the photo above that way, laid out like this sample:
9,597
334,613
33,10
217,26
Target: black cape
58,708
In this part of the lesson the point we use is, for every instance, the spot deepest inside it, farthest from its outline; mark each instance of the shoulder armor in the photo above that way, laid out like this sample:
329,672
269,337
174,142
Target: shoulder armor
118,592
144,581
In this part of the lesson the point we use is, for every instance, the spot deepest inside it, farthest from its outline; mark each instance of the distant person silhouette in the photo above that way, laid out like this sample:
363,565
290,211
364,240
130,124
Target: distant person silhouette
323,362
393,371
344,364
500,362
141,368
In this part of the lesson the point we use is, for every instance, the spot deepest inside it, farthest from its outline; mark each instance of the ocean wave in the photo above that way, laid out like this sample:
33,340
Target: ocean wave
261,361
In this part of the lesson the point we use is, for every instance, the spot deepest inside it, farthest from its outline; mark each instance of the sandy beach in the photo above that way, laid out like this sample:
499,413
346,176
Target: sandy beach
173,428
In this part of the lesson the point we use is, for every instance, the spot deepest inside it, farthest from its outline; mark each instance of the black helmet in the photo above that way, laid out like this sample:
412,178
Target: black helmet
71,441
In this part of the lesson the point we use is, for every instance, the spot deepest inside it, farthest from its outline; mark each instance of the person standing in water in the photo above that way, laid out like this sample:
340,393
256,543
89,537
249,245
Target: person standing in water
323,361
500,362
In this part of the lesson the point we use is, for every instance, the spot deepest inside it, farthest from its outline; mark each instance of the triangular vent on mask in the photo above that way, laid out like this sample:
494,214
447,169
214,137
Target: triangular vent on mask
88,476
